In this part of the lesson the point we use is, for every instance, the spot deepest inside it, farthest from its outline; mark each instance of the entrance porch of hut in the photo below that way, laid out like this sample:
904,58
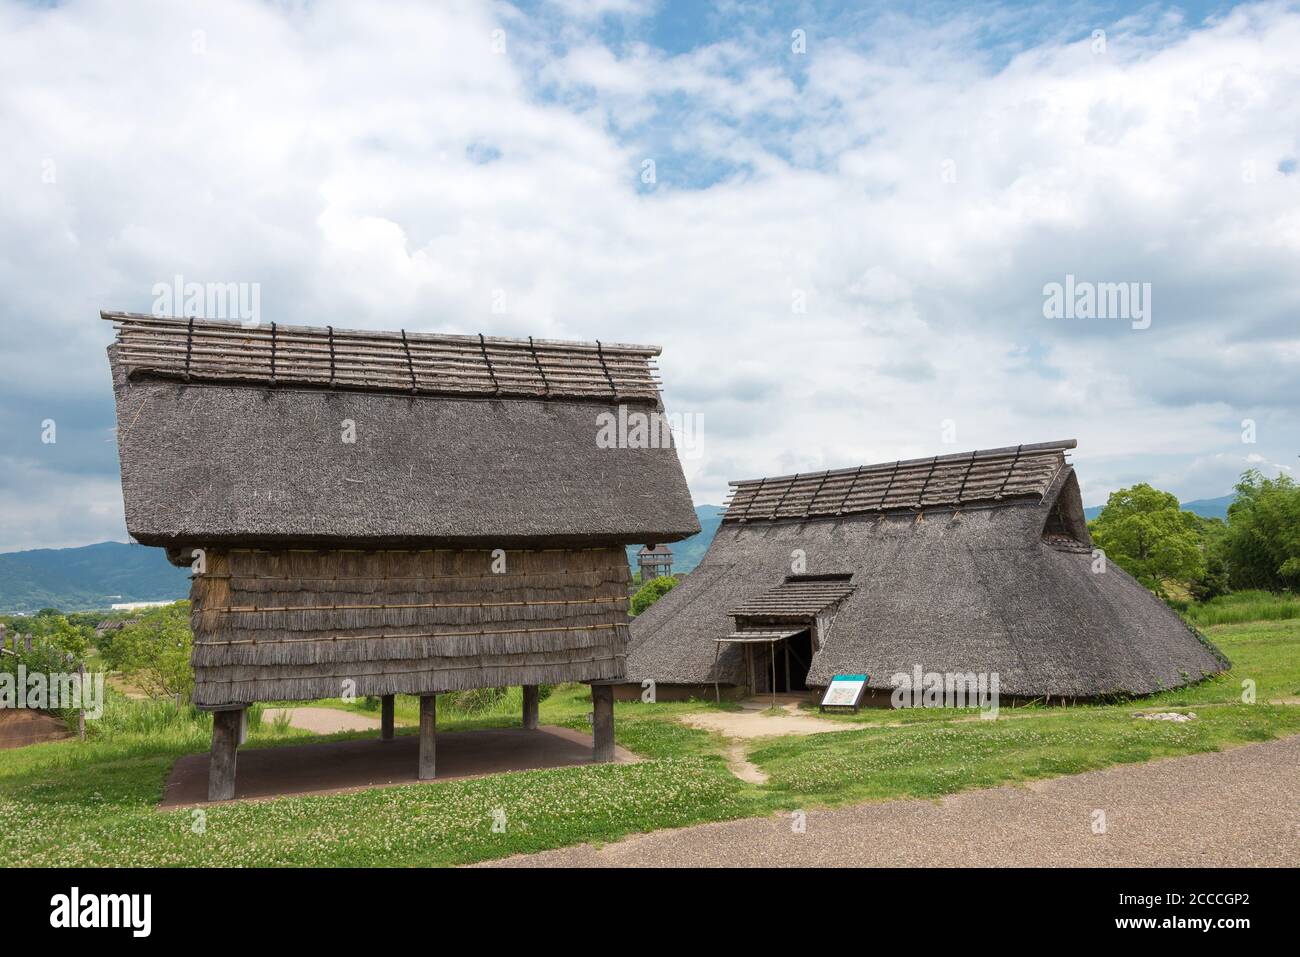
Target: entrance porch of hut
776,660
528,747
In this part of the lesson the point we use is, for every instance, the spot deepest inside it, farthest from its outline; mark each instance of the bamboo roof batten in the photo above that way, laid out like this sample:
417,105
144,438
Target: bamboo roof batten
541,373
308,333
776,509
920,498
1011,470
410,366
848,489
813,499
750,503
189,346
965,477
937,481
600,353
430,364
331,342
884,496
487,361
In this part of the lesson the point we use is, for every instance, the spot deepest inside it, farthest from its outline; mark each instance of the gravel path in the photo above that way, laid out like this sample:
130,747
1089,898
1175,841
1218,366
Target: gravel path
1230,808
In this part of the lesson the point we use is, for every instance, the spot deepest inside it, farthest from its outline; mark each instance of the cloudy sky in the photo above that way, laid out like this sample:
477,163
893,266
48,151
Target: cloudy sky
838,221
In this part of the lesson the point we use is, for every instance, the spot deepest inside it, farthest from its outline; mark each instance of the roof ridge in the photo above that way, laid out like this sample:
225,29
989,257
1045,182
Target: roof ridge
964,478
523,342
1008,450
219,352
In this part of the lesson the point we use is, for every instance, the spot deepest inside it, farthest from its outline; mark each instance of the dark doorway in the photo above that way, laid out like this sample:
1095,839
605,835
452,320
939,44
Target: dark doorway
793,659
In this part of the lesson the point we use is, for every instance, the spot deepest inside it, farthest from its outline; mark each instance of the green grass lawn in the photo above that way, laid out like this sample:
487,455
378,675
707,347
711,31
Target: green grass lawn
94,803
1244,606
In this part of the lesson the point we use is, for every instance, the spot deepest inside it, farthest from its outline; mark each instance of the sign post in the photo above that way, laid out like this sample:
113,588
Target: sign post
845,691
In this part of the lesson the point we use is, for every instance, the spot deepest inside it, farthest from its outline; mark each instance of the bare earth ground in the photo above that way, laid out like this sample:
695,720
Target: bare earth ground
324,720
756,720
1229,808
334,767
753,722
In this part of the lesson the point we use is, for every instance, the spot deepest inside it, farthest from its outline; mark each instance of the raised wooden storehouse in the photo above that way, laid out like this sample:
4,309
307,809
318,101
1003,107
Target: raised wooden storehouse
382,513
979,562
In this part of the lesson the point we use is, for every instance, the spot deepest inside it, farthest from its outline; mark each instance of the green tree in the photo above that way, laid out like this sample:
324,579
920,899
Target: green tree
1213,534
154,651
44,657
1143,530
651,592
1263,539
51,625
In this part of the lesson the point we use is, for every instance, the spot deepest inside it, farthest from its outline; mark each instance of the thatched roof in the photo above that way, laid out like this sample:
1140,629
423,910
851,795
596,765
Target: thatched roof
953,589
655,551
1021,472
797,596
201,350
233,436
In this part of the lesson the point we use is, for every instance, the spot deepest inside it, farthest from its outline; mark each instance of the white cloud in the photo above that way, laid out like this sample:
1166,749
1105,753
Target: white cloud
384,167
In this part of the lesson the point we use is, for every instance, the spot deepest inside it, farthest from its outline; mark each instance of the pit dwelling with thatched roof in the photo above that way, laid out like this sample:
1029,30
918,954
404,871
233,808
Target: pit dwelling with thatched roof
381,513
975,563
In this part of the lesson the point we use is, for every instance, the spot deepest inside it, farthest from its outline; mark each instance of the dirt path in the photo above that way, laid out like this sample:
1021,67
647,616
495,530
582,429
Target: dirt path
323,720
745,726
738,763
758,720
1230,808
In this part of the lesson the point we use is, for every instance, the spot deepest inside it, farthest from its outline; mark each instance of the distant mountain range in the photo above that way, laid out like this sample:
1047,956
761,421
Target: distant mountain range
96,576
89,577
690,551
1204,507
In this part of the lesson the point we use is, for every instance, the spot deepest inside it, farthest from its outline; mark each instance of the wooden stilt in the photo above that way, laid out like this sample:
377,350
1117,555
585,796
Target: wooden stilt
717,691
530,706
225,743
428,736
386,717
81,713
771,653
602,722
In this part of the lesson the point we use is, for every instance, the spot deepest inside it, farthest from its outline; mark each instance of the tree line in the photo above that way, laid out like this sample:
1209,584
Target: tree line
150,648
1180,554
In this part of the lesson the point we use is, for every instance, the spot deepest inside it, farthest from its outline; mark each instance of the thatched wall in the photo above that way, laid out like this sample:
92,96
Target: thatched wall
299,624
954,590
